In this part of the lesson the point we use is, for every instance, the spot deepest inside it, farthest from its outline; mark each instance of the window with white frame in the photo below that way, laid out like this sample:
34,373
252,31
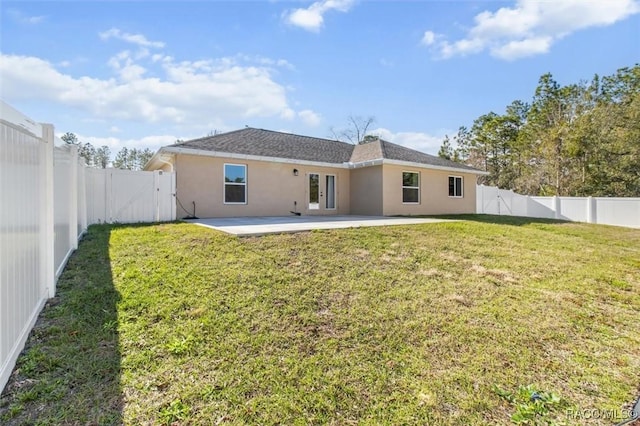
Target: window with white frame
410,187
455,186
235,184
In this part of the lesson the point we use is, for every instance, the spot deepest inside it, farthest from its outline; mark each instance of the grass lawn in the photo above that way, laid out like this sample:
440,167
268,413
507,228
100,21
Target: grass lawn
458,323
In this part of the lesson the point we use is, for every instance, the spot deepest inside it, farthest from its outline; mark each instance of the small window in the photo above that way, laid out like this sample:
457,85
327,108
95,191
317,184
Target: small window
410,187
235,184
455,186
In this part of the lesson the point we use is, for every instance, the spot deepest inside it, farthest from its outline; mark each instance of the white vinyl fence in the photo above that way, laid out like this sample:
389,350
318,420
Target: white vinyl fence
600,210
27,233
48,197
124,196
68,221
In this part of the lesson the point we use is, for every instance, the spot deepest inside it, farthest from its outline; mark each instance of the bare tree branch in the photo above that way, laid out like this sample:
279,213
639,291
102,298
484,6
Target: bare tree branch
355,131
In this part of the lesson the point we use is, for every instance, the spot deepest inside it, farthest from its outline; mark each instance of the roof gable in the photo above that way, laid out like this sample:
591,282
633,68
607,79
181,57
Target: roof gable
369,151
382,150
400,153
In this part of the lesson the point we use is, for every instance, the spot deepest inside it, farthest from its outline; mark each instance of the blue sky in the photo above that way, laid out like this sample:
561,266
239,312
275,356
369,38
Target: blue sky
142,74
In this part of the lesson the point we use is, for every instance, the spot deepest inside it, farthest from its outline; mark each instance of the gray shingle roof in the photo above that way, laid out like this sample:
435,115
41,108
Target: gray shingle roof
267,143
401,153
380,149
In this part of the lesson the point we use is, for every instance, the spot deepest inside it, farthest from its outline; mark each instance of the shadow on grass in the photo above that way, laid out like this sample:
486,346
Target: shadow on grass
69,371
501,220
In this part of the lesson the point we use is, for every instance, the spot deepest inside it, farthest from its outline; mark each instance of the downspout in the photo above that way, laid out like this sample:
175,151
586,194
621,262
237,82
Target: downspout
175,194
166,162
191,216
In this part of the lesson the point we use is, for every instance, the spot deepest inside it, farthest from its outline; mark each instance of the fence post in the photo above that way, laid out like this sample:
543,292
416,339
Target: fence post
556,206
173,196
73,197
82,196
47,221
591,210
156,194
108,176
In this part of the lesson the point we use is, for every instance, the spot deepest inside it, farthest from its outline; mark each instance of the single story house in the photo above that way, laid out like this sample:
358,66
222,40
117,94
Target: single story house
256,172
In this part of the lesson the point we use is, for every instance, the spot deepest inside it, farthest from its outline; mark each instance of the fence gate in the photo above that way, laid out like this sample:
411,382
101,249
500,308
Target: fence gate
125,196
492,200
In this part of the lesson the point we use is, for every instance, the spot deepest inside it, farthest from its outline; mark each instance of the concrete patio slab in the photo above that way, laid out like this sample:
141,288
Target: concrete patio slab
256,226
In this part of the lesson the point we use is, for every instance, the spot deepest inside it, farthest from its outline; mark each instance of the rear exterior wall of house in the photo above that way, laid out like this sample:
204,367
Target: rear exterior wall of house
366,191
272,188
433,188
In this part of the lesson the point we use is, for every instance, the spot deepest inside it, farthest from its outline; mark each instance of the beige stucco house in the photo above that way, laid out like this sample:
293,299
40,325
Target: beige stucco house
255,172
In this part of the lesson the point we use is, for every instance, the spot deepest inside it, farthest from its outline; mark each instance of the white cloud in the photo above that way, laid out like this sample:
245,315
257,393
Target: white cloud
21,18
288,114
415,140
284,63
531,27
461,47
261,60
34,19
521,48
428,38
124,65
309,117
137,39
189,93
312,18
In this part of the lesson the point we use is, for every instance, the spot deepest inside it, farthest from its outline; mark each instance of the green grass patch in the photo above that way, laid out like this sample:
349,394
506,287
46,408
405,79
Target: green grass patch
491,320
69,372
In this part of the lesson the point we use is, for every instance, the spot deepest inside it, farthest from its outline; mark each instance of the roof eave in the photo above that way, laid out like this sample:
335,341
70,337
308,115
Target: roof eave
378,162
366,163
159,159
248,157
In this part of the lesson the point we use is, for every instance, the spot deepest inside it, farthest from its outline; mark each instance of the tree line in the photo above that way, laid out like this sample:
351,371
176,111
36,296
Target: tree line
128,159
582,139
